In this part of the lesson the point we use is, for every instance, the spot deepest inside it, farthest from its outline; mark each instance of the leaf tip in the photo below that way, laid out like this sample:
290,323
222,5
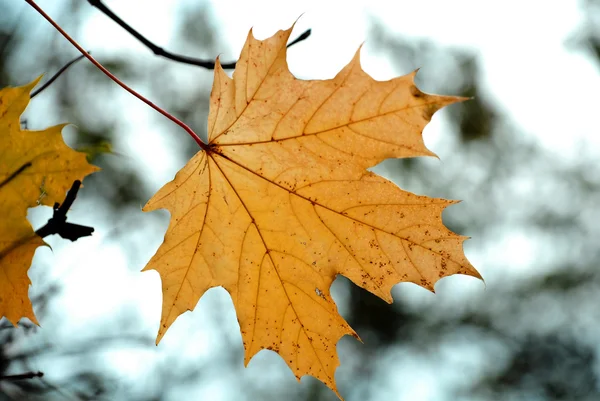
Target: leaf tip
33,83
459,99
150,206
431,154
355,335
295,22
250,34
356,57
161,333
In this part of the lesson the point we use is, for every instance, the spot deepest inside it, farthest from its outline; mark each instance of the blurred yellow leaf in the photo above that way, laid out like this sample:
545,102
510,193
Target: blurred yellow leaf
36,168
282,202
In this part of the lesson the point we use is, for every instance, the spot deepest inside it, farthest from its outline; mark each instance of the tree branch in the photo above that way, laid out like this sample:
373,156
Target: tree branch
28,375
159,51
58,222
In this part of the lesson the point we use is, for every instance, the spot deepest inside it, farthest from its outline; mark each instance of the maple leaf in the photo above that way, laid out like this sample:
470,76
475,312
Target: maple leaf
281,203
36,168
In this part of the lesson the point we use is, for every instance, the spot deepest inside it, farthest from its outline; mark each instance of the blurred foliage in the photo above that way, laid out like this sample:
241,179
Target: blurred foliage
587,36
537,338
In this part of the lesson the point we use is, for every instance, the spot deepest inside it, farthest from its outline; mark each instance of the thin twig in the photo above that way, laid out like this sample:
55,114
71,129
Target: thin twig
22,376
58,222
159,51
117,80
300,38
63,69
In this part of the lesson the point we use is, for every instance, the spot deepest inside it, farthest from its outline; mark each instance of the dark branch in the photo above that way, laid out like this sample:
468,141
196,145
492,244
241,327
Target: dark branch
22,376
58,222
159,51
300,38
63,69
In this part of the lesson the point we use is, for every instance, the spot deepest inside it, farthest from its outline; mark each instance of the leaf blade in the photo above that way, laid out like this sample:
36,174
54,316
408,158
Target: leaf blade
292,204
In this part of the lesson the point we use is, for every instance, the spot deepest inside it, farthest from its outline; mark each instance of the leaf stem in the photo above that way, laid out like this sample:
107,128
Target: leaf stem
117,80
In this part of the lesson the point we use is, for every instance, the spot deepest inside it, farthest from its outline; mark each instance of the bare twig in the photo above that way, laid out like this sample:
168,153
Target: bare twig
58,222
159,51
117,80
63,69
300,38
22,376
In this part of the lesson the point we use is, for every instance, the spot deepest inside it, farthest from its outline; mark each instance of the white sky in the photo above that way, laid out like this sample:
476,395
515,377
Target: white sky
547,89
521,44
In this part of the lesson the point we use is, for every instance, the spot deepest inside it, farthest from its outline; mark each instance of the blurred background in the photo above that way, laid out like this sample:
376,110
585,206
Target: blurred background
522,155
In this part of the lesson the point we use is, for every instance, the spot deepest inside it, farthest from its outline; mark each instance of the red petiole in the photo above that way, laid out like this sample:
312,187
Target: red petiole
117,80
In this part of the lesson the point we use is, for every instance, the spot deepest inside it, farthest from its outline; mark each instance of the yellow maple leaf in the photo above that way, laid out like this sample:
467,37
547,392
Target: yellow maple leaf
36,168
281,202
